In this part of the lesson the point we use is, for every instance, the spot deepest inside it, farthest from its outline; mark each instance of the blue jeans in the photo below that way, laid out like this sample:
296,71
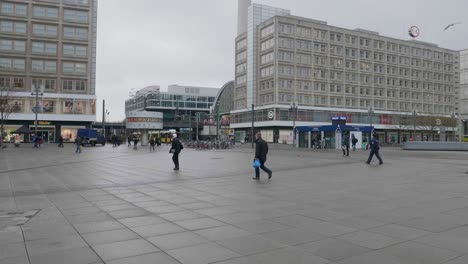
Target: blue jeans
78,150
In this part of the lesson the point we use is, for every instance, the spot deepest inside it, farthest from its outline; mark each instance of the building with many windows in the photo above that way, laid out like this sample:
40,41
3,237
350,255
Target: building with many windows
464,93
179,105
283,60
49,46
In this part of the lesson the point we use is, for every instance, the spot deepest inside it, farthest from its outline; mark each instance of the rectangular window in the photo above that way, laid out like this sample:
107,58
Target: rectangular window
45,12
67,85
44,48
45,30
75,15
12,45
75,33
74,50
12,27
44,66
12,64
74,68
14,9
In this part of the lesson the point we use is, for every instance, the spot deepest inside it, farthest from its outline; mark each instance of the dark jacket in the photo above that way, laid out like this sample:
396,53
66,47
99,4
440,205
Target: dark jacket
176,145
345,141
375,144
261,149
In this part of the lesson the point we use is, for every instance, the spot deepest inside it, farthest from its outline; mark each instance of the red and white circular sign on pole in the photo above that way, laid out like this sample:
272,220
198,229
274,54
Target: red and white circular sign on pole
413,31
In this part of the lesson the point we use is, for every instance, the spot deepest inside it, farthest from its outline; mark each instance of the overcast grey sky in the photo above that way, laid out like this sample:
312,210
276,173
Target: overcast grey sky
191,42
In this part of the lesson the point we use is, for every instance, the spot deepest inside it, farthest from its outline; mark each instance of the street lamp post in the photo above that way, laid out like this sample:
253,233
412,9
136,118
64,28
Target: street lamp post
452,115
108,120
36,92
370,113
293,107
415,113
253,120
217,123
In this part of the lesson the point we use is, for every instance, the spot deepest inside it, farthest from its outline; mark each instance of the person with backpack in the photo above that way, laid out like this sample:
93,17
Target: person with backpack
354,141
375,147
129,140
176,148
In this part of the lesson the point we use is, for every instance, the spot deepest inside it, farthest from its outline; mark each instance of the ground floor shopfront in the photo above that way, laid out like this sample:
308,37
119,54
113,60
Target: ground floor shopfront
49,131
387,136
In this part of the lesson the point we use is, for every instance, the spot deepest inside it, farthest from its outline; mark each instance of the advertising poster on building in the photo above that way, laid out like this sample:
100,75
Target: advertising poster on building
17,105
79,107
48,106
68,106
93,107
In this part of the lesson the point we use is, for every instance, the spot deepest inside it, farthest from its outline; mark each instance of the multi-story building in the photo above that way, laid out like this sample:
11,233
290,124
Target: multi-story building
49,47
179,105
464,93
330,71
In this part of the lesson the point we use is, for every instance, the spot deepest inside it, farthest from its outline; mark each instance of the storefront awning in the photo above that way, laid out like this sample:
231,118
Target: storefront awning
23,130
365,129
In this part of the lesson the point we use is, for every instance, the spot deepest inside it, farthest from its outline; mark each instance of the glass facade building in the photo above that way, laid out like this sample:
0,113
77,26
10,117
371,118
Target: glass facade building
179,103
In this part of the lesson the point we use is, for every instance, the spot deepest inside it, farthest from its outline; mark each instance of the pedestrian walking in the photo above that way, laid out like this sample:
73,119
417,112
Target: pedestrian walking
345,145
39,141
78,143
35,141
60,145
152,144
129,140
261,152
354,141
176,148
135,143
375,147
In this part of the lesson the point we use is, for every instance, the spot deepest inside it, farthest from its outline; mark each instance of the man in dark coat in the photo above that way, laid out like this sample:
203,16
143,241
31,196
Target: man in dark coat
345,145
175,150
261,152
375,147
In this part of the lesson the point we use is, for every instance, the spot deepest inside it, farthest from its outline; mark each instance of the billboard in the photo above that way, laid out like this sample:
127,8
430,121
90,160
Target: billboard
144,120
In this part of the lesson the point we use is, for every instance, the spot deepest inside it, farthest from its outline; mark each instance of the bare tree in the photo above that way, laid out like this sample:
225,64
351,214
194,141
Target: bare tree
6,107
429,124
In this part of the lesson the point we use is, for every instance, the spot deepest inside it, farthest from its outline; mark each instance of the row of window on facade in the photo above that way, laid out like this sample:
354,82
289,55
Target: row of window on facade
43,48
43,30
324,87
323,74
43,66
307,59
48,85
305,45
340,101
53,106
324,35
43,12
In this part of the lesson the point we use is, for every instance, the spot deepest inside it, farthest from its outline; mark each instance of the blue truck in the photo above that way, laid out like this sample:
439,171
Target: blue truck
91,136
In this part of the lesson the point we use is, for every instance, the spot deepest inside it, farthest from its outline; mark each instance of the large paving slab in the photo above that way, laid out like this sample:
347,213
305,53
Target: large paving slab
116,205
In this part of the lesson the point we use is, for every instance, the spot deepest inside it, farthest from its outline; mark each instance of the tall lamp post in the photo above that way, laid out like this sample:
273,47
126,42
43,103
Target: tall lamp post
108,120
37,90
253,120
217,123
415,114
452,115
370,114
293,107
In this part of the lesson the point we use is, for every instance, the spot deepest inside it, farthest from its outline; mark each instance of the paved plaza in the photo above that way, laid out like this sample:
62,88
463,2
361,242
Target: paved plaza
116,205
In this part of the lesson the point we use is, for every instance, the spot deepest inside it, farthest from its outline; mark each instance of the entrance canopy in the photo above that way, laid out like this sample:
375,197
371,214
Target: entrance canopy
23,130
333,128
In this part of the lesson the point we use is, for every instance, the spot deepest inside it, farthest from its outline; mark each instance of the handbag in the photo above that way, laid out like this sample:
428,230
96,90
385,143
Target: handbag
256,163
172,150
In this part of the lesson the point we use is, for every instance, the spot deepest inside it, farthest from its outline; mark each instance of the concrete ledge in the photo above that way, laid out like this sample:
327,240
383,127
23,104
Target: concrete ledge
436,146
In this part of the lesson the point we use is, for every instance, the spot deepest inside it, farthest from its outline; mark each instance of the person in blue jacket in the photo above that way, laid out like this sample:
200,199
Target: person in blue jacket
375,147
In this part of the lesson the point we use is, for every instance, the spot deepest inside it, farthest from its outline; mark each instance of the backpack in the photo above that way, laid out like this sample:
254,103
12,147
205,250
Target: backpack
355,140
